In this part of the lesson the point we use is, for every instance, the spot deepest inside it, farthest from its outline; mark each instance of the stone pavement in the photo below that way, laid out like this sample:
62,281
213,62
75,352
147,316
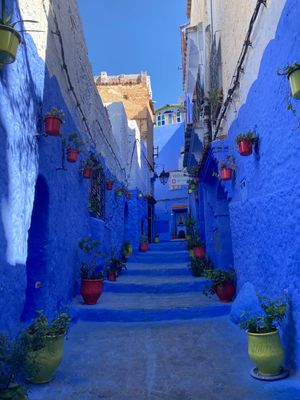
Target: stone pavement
154,336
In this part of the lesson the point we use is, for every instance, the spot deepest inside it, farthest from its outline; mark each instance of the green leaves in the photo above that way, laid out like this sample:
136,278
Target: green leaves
250,136
288,69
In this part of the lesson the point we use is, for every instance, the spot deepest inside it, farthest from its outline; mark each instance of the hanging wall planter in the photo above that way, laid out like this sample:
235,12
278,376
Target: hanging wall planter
140,195
53,120
226,172
73,145
245,142
109,185
90,164
293,74
128,195
87,172
120,191
9,43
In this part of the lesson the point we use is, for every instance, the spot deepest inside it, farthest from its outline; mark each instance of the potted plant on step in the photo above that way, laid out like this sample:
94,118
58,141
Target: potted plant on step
114,266
127,249
9,37
144,244
226,171
53,120
89,165
13,356
156,238
197,246
198,266
222,284
264,344
91,272
46,341
245,142
293,74
73,144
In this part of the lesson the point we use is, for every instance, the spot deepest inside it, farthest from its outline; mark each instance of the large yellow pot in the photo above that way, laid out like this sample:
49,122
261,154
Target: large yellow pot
127,250
294,78
266,351
47,359
9,42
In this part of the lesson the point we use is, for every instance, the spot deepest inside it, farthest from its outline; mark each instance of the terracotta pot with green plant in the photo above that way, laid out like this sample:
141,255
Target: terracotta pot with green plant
91,271
127,249
109,184
90,164
264,344
73,144
9,37
46,342
144,243
292,72
198,266
114,266
156,238
53,120
196,245
222,284
245,142
13,371
226,171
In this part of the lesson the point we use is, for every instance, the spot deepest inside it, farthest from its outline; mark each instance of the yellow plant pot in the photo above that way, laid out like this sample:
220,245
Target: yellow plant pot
127,250
294,78
156,239
266,351
9,42
47,359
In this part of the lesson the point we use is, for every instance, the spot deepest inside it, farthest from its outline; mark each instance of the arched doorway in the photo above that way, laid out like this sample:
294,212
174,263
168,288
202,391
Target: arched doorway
36,264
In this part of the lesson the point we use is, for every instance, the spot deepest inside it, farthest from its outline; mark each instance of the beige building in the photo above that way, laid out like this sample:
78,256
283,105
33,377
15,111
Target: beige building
134,91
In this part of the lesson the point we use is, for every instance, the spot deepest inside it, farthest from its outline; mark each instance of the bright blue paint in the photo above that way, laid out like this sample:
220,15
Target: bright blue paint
265,210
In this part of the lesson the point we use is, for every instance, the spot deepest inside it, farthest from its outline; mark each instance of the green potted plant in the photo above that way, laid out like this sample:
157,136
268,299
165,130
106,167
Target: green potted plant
53,120
9,37
120,191
90,164
127,249
140,195
245,142
144,243
115,265
264,344
192,185
190,227
196,246
91,272
46,341
156,238
293,74
222,284
226,171
13,356
109,184
73,144
198,266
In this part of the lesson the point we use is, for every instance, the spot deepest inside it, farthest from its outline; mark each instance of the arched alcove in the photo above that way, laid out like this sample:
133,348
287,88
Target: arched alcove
36,264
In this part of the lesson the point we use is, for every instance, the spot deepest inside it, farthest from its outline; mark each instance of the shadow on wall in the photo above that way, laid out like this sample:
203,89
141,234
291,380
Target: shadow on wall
36,265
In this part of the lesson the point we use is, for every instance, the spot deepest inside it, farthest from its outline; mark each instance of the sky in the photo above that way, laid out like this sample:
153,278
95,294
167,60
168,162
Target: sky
131,36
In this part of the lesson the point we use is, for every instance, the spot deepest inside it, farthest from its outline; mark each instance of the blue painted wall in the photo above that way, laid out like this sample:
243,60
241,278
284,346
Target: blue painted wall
171,138
263,198
60,216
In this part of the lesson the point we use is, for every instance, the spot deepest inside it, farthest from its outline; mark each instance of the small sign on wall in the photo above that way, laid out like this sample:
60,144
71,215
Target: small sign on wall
177,180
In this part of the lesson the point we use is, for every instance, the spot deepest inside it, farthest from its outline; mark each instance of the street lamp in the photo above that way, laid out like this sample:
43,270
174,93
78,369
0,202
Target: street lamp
164,177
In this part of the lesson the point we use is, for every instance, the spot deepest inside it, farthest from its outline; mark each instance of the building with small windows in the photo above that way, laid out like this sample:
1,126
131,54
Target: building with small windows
169,114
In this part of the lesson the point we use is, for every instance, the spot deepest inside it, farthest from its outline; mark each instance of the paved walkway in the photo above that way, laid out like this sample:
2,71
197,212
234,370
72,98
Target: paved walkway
154,336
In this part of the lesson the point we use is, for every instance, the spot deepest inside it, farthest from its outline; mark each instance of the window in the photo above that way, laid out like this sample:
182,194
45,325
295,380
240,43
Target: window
96,204
158,117
163,122
159,124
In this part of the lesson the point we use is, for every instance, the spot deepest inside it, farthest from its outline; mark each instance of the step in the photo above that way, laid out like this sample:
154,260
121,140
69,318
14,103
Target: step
140,309
155,257
166,287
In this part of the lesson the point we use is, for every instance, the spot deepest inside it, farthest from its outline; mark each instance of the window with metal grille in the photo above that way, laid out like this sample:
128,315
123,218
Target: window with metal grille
96,205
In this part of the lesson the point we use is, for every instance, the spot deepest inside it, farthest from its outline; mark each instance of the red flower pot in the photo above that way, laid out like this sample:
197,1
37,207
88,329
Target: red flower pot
72,155
128,196
87,173
225,291
245,147
226,174
91,290
143,247
52,125
112,276
196,196
199,251
174,237
109,185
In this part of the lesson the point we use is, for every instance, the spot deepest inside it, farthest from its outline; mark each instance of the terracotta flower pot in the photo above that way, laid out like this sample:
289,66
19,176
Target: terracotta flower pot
196,196
225,291
245,147
109,185
199,251
143,247
87,173
226,174
91,290
128,196
52,125
112,276
72,155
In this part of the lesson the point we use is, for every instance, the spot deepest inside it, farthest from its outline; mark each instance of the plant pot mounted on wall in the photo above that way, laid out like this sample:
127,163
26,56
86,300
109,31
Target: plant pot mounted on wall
9,42
87,173
72,155
226,173
109,185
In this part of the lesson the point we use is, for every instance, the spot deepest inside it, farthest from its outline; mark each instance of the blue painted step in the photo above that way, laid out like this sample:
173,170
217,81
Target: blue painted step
118,287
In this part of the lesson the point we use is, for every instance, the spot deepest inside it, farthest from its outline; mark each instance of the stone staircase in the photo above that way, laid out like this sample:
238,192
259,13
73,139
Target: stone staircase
157,287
